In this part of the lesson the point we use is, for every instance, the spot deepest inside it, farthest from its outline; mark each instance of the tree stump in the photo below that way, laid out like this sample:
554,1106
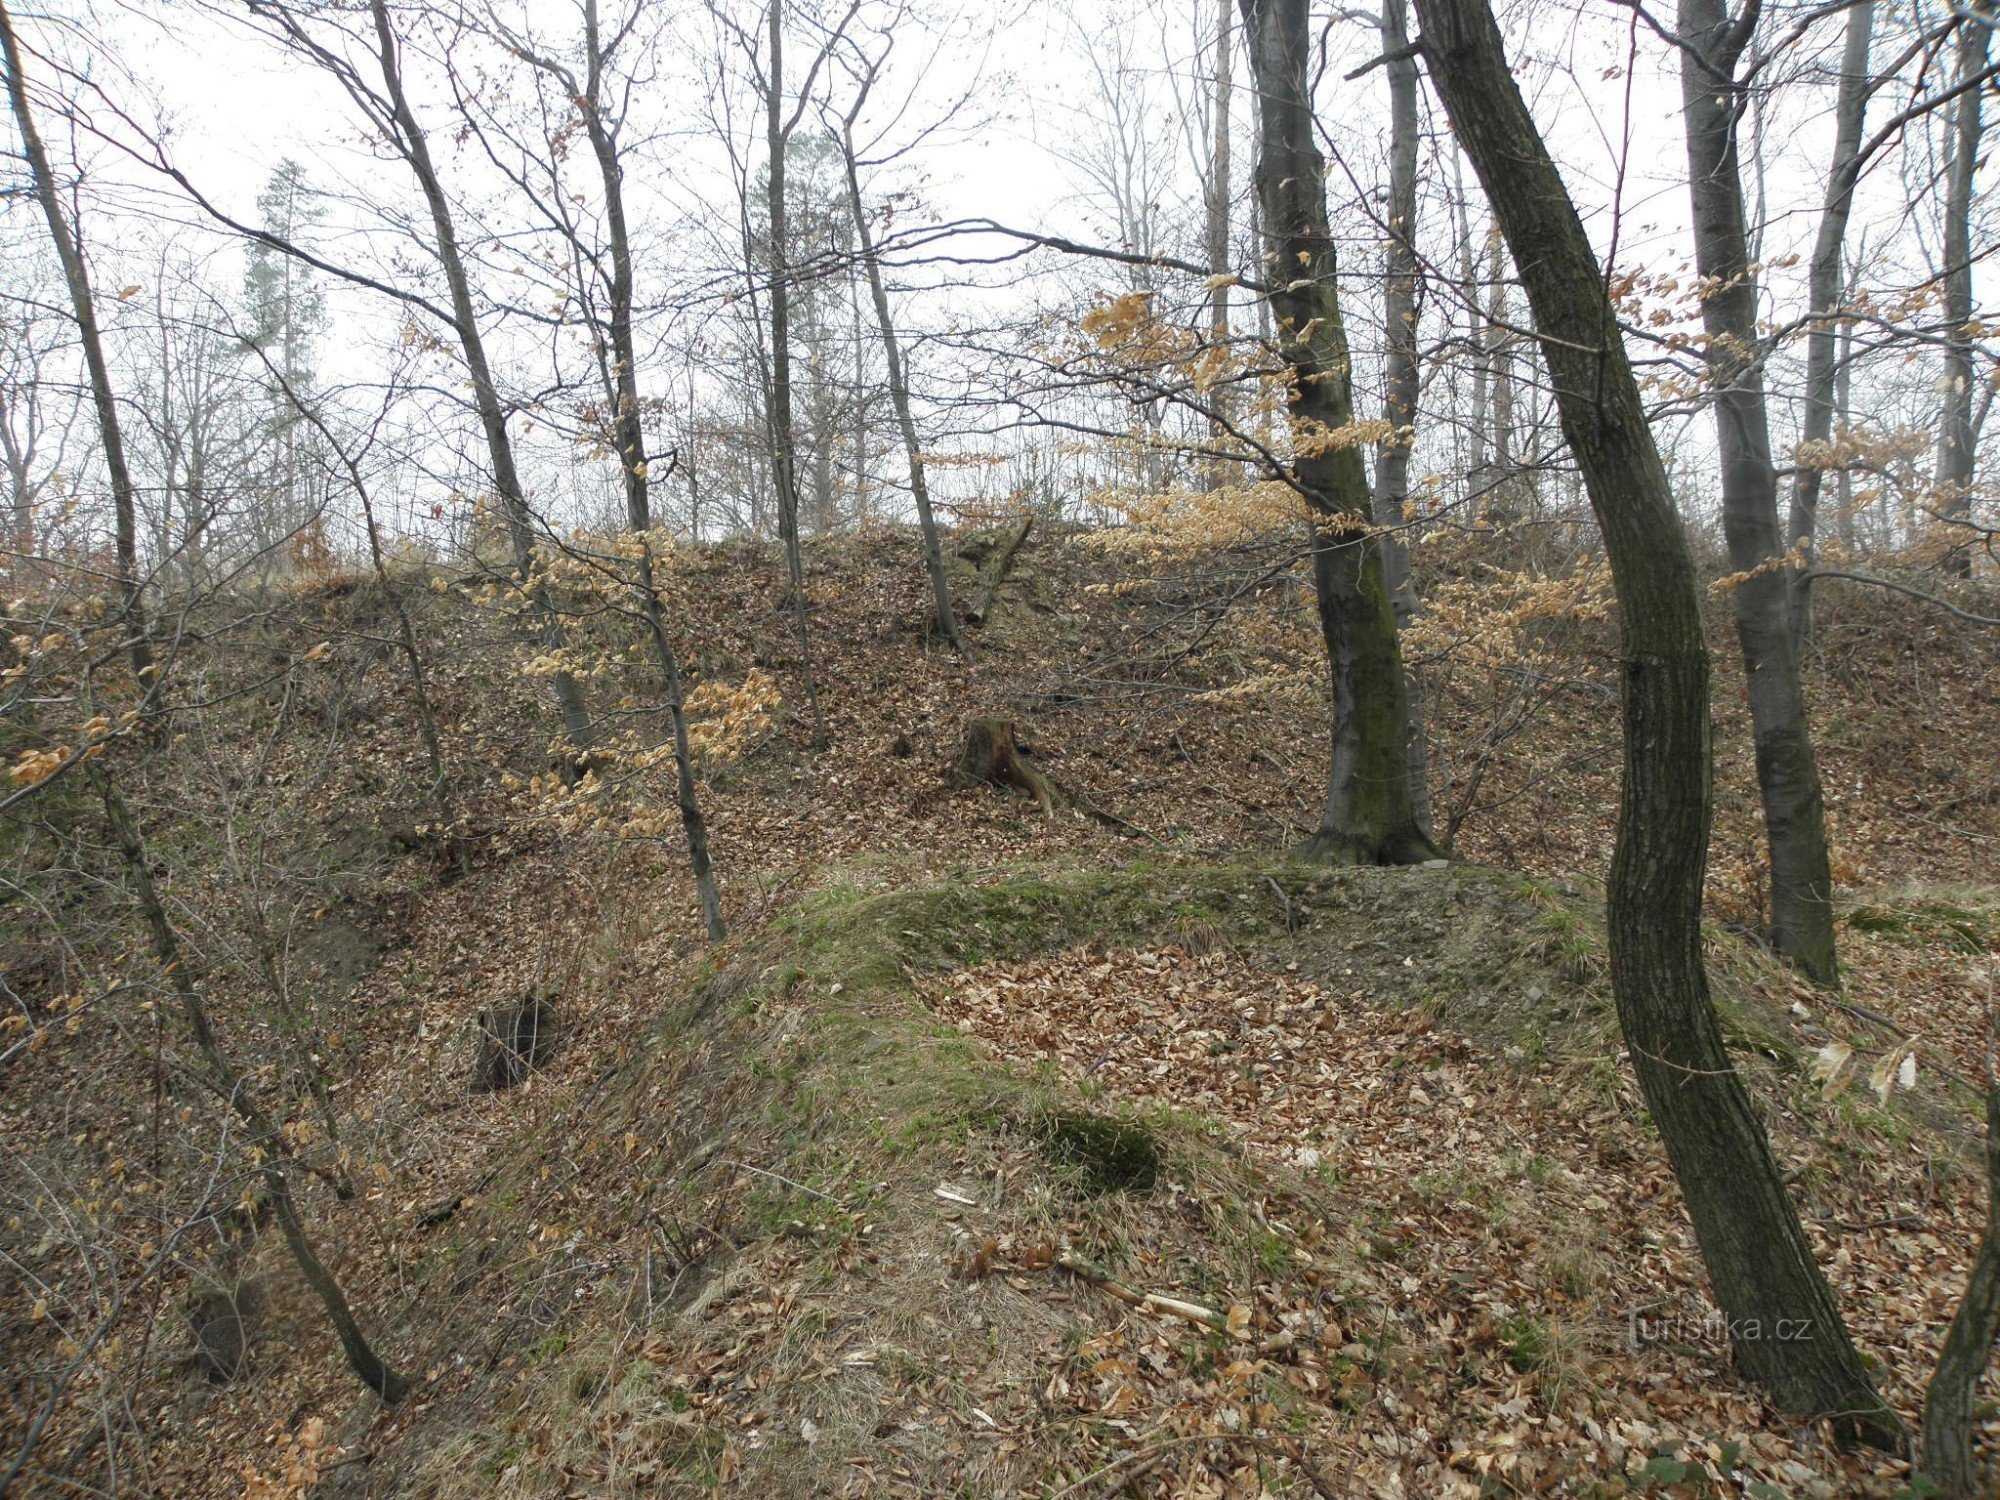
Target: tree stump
514,1041
993,757
223,1321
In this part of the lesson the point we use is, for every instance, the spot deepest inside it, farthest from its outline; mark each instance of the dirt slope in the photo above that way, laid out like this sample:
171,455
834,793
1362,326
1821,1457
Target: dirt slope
807,1232
1371,1126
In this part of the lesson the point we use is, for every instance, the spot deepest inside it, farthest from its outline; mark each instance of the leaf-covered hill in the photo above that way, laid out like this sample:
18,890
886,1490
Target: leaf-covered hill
1001,1150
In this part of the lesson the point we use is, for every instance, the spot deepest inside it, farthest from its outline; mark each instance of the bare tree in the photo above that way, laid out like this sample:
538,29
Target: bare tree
1788,1334
240,1096
899,384
1369,815
38,411
1826,281
1401,375
1218,188
83,306
193,433
1958,435
351,456
779,126
607,304
1713,99
385,103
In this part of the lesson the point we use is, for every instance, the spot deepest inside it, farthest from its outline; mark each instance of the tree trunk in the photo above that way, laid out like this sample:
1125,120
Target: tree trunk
784,440
899,397
1787,772
1787,1332
1824,284
21,493
1957,435
415,150
1369,817
83,306
1220,191
1968,1344
236,1090
993,757
1475,336
821,403
619,366
859,395
1843,407
1400,376
1498,350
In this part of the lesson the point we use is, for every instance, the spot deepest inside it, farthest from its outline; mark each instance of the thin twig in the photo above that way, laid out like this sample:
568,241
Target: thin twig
744,1166
1902,588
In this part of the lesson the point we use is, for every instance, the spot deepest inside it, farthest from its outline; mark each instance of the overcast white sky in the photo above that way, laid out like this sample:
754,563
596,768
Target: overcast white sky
1605,89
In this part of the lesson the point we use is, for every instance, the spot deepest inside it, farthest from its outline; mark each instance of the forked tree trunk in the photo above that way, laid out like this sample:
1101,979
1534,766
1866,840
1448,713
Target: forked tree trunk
1787,1333
1401,375
899,398
1712,98
1957,433
415,150
1369,817
83,307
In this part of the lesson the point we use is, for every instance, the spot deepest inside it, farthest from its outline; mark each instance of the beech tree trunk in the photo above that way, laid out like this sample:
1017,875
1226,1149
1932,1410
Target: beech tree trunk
1369,815
414,147
899,398
1401,375
1786,1331
83,307
1503,483
1824,285
1958,434
1712,98
1843,406
1946,1456
1475,319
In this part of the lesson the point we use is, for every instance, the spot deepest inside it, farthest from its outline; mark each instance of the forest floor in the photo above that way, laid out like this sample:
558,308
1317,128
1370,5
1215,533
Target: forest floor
1011,1152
